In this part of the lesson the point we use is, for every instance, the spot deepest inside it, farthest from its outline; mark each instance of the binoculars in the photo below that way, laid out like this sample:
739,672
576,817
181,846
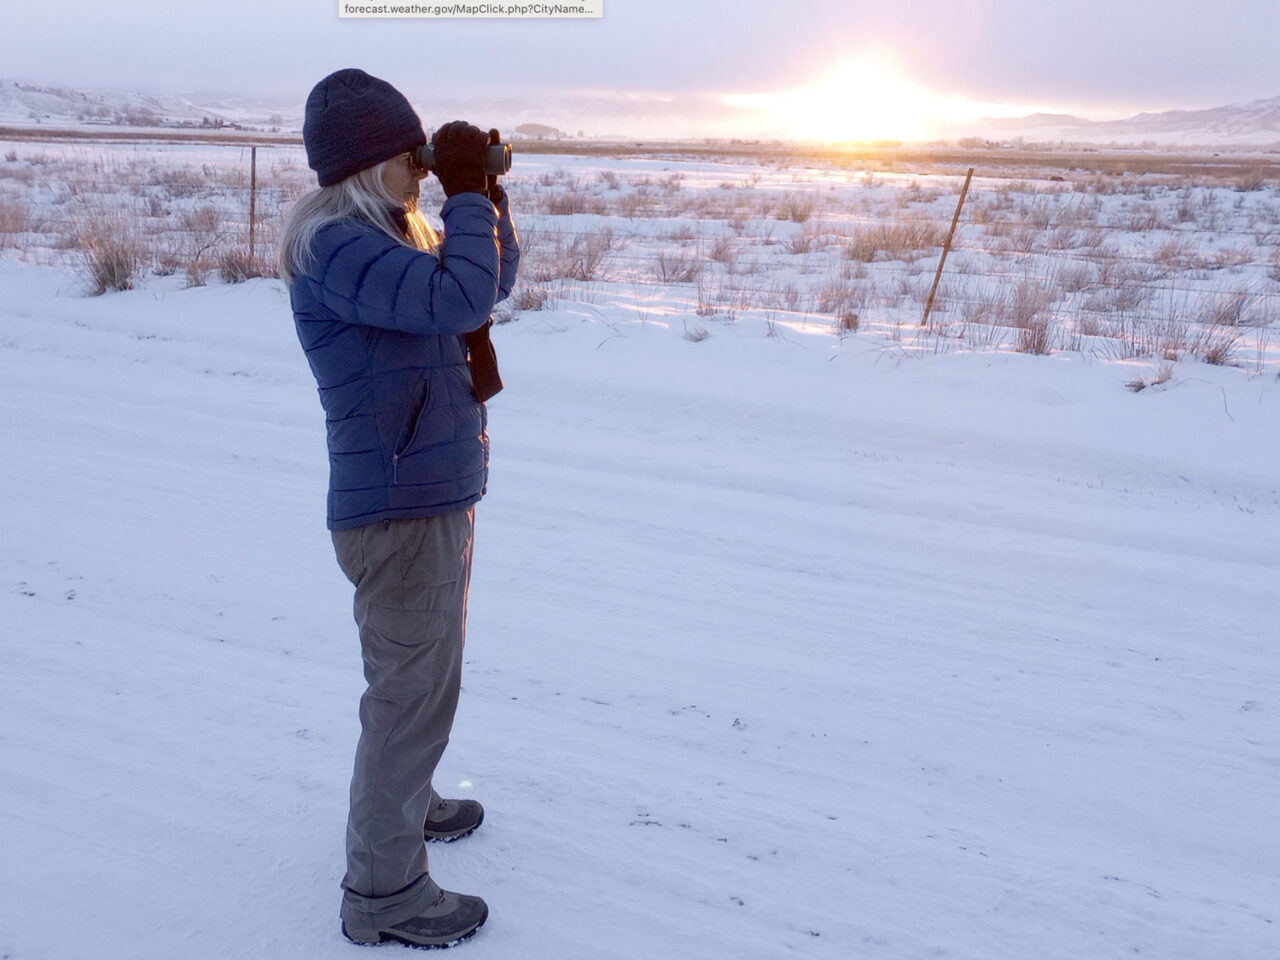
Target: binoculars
497,156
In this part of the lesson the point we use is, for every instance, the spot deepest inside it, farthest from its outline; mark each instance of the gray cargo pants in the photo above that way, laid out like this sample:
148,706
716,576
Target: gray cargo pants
411,579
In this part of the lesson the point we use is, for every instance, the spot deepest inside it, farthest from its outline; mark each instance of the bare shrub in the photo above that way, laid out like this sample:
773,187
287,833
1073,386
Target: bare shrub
586,255
1129,296
724,250
110,255
1255,179
183,182
863,246
1183,324
23,175
987,307
1035,336
1076,277
1175,254
15,218
167,262
637,203
796,207
1027,303
678,266
1038,213
533,296
785,296
802,242
1088,323
706,301
1231,257
902,240
1227,310
838,296
547,259
1143,217
566,204
236,266
846,323
1216,345
206,219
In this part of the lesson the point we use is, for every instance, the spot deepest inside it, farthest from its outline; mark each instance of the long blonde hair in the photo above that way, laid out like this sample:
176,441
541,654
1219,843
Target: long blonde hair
361,196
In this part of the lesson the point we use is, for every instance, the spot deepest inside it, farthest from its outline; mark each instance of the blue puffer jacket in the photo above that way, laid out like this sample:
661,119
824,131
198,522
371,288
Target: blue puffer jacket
382,325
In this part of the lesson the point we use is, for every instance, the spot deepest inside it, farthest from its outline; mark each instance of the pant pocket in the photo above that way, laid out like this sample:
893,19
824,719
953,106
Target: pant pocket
407,653
435,554
347,546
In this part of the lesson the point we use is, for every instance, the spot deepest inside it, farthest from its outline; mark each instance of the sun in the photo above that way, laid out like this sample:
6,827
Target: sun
865,98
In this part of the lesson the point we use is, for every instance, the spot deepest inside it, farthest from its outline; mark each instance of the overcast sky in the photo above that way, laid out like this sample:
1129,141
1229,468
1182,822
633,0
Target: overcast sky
1099,58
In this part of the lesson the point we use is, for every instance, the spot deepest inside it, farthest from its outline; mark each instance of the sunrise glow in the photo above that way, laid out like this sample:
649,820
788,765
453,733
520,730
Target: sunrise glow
867,97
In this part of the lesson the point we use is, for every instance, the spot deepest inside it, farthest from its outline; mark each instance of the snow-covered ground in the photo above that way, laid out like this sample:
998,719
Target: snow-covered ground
780,646
1141,265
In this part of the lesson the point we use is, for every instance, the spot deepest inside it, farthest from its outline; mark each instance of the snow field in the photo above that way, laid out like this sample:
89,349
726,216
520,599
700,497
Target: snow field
1145,265
779,646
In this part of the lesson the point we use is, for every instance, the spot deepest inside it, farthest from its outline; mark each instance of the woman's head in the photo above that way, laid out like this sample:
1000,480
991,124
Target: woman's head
355,121
400,176
358,133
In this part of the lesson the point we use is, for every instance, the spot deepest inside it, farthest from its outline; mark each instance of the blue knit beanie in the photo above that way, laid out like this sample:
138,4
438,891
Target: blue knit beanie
354,121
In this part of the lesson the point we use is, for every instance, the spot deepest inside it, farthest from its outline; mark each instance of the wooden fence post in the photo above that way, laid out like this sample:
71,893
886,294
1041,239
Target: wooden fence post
945,248
252,199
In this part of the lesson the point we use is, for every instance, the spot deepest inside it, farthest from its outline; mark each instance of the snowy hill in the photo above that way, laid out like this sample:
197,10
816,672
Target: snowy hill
779,647
1254,124
1249,124
26,103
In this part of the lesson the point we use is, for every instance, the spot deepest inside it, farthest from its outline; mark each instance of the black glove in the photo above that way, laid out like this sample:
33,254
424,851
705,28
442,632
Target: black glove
459,157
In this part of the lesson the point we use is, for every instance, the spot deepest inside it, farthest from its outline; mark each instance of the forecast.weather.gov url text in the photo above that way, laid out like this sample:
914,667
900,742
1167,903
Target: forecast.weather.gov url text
584,8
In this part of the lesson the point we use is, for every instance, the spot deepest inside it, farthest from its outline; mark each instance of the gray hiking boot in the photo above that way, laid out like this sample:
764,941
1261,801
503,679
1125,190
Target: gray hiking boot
450,919
451,819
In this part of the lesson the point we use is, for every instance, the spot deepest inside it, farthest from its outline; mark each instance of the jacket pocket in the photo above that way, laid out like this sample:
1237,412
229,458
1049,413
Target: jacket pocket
409,432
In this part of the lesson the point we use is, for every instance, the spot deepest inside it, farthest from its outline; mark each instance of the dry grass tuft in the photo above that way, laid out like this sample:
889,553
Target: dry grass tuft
15,219
796,207
678,266
904,240
236,266
1138,384
532,296
111,256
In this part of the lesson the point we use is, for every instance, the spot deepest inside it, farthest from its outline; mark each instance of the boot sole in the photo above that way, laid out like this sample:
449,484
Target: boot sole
449,838
386,937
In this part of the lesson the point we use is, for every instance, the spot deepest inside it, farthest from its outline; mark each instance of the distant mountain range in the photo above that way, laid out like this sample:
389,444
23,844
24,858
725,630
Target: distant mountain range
1255,124
1243,124
23,104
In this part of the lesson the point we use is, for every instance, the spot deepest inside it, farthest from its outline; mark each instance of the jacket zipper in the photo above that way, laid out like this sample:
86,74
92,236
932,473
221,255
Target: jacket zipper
417,424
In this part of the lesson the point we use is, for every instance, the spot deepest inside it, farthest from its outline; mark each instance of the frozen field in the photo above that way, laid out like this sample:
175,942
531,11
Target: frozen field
1110,255
782,643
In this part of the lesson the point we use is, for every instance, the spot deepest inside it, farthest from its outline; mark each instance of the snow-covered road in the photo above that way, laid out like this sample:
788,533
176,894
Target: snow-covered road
779,647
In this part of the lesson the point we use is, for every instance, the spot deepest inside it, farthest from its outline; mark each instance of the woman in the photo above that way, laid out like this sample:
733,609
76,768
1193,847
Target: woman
394,321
